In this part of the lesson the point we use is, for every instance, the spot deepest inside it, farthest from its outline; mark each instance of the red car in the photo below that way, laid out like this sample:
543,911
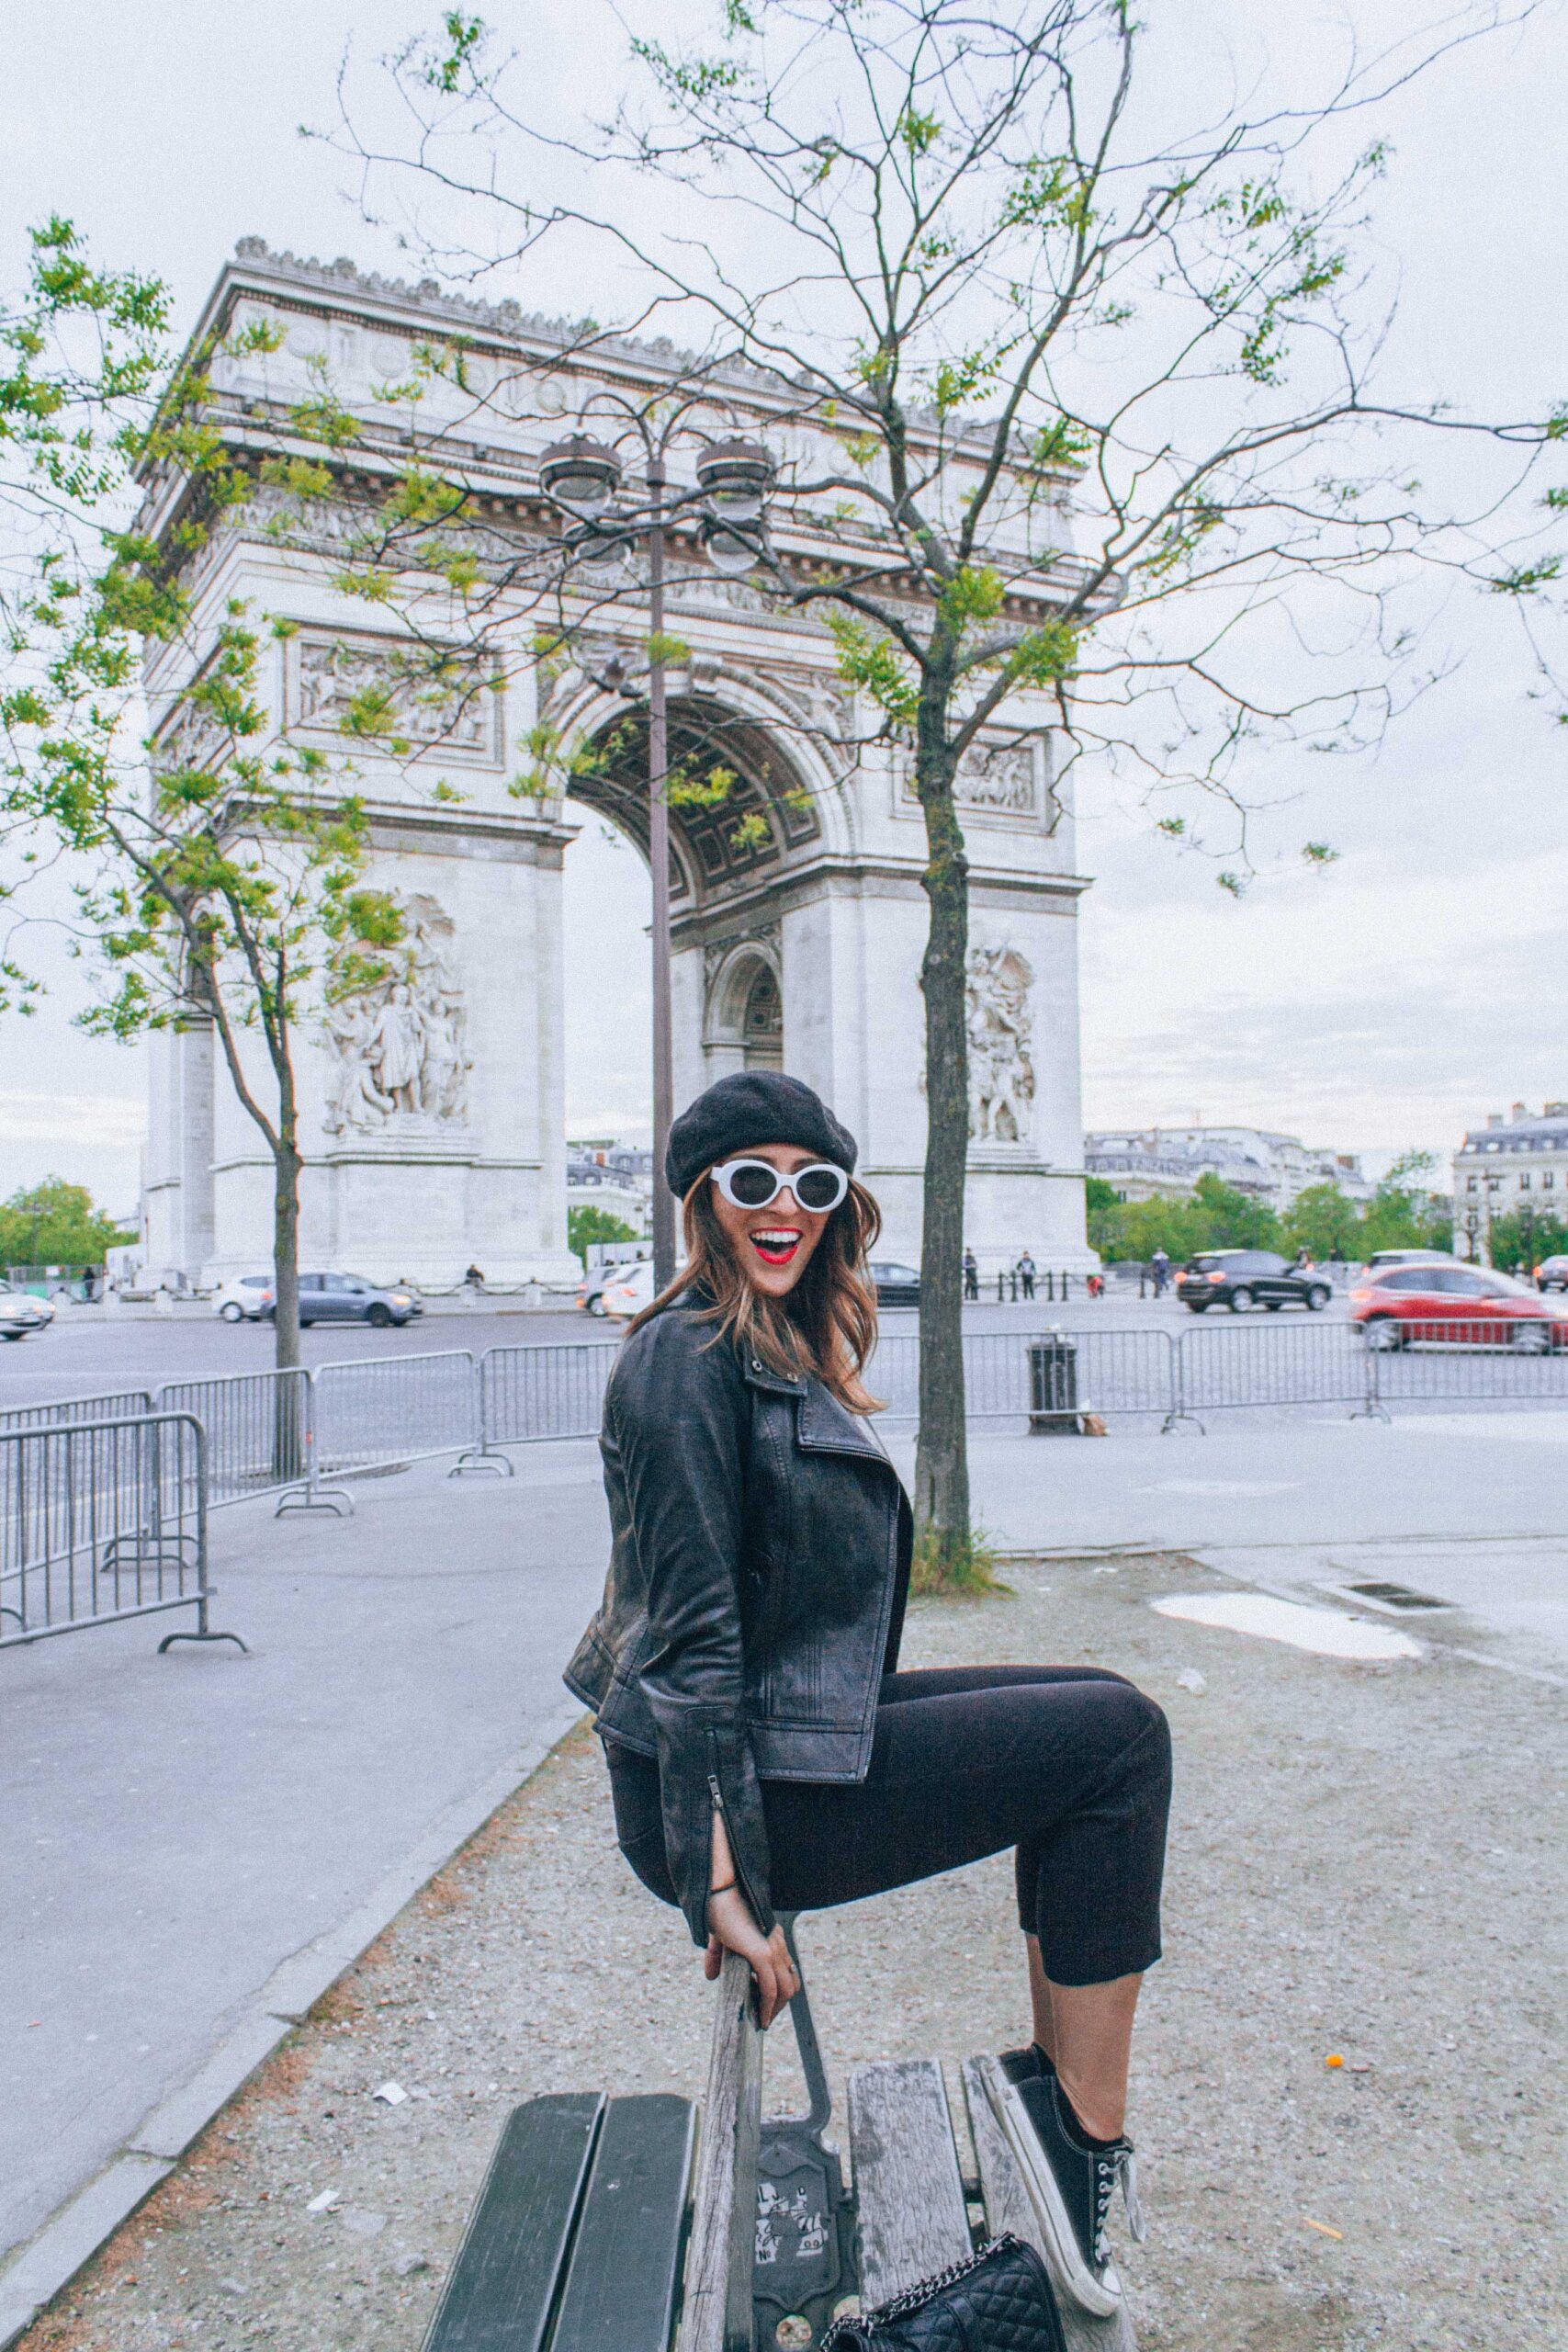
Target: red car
1456,1305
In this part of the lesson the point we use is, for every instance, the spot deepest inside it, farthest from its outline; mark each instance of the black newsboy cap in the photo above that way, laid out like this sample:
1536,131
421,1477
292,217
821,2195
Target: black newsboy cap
747,1108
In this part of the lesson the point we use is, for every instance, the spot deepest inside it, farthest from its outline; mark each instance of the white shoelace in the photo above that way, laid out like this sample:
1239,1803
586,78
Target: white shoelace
1108,2171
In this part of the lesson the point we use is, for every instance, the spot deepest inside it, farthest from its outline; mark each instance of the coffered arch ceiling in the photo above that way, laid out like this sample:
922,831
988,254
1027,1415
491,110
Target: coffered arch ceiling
718,843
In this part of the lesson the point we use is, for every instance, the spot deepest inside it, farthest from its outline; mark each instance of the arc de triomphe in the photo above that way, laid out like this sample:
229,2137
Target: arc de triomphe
433,1131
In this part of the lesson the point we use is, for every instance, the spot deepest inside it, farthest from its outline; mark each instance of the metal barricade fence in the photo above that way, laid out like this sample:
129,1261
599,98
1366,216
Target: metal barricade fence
1256,1363
529,1393
101,1521
121,1405
1112,1372
1469,1363
395,1409
259,1428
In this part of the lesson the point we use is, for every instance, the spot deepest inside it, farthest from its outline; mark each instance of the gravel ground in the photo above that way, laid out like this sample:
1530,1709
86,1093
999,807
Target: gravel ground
1365,1862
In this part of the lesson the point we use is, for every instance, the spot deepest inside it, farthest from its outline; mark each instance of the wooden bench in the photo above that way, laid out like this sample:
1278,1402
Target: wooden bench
593,2232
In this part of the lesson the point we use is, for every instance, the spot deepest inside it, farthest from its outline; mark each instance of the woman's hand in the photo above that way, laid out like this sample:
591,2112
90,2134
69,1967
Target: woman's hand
732,1928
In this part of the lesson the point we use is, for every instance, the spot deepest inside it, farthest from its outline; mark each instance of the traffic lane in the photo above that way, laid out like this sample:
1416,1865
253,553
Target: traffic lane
96,1355
91,1359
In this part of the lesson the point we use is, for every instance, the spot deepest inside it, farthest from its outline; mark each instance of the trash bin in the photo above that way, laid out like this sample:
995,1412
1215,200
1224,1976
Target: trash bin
1054,1387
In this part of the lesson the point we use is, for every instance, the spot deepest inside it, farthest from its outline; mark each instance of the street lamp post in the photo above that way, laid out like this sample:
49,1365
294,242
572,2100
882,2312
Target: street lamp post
659,859
582,476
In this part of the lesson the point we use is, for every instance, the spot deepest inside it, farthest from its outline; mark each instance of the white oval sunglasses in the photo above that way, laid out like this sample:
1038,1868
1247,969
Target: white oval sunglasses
757,1184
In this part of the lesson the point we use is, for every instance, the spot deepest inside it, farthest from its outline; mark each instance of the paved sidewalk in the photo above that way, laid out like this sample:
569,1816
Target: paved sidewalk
1285,1481
1353,1875
176,1829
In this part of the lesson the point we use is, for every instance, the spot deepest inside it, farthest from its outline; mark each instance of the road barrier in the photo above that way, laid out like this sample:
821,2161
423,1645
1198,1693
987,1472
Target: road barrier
1114,1372
1467,1362
529,1393
260,1429
378,1410
1252,1362
101,1521
122,1404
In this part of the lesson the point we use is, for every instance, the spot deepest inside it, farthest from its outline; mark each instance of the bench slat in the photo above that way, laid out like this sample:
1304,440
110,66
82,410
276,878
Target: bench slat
717,2312
1008,2208
502,2285
907,2188
620,2289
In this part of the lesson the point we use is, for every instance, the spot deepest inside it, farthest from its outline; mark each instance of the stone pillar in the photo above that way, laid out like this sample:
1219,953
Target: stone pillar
179,1188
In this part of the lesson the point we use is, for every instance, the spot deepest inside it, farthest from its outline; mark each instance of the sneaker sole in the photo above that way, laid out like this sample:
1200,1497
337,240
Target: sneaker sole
1100,2298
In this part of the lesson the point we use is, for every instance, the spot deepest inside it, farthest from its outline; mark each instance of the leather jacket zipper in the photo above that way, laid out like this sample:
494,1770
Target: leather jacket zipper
723,1811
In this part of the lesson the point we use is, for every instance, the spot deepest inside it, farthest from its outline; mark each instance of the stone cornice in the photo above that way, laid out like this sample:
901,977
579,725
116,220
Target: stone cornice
867,877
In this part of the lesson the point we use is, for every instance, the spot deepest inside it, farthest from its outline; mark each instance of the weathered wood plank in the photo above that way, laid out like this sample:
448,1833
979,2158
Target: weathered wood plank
502,2285
718,2313
620,2287
908,2188
1008,2208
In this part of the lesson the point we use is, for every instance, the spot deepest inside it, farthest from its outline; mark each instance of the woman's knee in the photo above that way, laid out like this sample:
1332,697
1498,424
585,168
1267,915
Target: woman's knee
1140,1733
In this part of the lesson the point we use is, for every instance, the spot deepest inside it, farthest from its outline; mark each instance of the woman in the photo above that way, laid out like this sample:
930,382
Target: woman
763,1749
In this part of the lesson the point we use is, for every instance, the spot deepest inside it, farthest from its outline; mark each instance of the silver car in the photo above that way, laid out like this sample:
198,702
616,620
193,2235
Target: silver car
22,1316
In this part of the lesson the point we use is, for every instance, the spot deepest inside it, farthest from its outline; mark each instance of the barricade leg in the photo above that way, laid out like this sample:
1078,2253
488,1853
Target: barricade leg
482,1457
1179,1411
487,1455
201,1631
311,1494
1372,1407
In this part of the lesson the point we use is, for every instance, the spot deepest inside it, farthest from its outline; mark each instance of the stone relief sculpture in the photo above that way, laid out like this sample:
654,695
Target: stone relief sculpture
996,779
1002,1072
399,1044
329,672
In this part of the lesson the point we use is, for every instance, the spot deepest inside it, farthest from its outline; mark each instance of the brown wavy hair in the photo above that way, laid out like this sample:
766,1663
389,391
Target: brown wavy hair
826,1325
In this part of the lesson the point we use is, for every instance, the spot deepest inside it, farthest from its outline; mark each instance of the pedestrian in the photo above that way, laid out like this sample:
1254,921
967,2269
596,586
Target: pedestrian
1159,1266
765,1753
474,1279
971,1275
1025,1271
1095,1285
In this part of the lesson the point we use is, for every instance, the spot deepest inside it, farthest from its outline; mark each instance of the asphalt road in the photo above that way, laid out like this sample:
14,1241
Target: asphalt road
88,1352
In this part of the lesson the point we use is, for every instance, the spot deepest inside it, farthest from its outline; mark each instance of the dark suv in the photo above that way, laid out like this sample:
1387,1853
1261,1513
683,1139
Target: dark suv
1241,1279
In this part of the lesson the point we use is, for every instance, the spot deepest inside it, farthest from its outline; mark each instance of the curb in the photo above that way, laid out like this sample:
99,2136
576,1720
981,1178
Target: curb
81,2227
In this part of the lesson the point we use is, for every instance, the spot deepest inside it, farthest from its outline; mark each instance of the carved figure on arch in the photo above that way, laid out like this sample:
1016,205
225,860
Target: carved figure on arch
399,1043
1001,1069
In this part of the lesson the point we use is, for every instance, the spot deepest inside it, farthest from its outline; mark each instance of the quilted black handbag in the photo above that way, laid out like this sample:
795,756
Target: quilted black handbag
998,2301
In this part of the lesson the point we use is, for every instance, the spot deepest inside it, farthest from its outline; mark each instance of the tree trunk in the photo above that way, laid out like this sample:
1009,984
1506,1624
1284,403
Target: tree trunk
942,1458
286,1252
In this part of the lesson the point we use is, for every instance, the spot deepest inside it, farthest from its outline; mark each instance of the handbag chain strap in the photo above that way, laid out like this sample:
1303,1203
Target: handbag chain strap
844,2331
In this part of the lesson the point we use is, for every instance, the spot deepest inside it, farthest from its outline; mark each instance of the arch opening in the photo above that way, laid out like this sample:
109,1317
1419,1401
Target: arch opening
738,805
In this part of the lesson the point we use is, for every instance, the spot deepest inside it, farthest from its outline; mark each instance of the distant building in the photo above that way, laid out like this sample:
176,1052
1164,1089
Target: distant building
616,1177
1165,1163
1510,1164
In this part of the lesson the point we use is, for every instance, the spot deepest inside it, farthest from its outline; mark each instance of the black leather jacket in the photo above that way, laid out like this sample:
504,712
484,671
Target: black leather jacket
757,1574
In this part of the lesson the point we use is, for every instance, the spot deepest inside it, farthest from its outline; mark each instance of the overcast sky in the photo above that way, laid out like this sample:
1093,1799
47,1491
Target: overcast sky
1391,1001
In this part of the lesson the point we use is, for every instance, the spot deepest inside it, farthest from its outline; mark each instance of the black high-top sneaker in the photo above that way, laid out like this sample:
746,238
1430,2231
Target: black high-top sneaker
1069,2185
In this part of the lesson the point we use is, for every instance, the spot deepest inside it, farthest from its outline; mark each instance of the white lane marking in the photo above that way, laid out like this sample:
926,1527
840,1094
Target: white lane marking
1222,1487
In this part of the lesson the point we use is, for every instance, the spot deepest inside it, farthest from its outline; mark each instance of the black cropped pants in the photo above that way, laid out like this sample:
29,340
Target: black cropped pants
1067,1764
